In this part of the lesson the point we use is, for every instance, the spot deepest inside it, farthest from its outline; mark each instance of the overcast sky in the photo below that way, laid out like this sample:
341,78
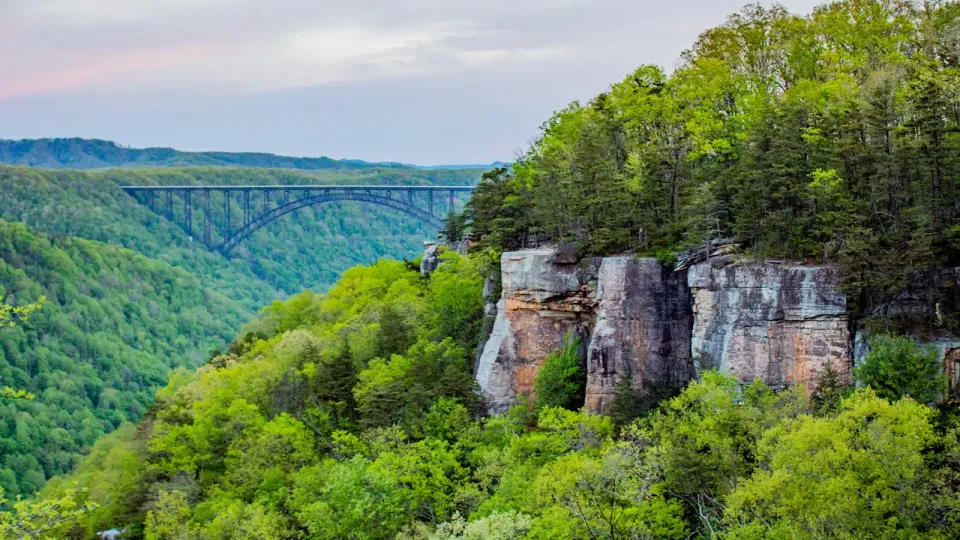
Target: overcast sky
417,81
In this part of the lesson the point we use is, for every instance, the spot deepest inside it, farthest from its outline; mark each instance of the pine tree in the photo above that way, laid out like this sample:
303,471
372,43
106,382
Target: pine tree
396,334
334,382
454,227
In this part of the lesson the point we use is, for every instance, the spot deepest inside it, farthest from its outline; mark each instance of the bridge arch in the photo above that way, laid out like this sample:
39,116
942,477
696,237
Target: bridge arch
244,232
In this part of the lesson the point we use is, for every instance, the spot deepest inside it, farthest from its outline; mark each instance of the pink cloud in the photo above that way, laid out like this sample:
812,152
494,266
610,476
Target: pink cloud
100,71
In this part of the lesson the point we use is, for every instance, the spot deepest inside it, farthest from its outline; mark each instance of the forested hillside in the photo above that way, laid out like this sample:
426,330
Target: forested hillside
827,137
77,153
355,415
115,320
309,248
97,350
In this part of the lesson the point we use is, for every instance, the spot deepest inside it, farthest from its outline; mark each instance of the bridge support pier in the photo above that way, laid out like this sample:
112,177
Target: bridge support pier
206,217
188,213
226,213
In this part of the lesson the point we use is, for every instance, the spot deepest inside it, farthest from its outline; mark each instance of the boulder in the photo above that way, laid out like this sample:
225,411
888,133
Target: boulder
431,258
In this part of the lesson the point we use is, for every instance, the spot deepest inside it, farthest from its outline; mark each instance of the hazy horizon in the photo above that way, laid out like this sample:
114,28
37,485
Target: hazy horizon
423,81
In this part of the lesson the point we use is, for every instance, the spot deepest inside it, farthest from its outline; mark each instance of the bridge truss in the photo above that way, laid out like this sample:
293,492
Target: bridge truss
230,214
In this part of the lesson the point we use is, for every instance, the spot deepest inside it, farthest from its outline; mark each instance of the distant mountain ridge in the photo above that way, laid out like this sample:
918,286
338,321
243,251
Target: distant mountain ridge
77,153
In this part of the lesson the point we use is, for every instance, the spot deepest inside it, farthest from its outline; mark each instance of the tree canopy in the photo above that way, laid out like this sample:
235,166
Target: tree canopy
831,136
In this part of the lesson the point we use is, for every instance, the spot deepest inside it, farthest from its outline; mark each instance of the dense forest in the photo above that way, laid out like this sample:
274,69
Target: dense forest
354,413
117,319
827,137
77,153
94,354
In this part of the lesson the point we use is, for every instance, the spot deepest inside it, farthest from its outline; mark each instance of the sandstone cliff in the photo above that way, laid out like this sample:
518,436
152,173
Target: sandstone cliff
642,330
780,323
542,299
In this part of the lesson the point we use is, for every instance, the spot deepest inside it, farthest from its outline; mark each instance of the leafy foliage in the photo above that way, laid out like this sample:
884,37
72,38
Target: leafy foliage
561,381
897,367
826,137
112,323
35,519
859,473
10,315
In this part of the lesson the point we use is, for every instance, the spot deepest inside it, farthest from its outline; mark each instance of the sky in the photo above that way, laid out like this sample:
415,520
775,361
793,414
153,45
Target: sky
415,81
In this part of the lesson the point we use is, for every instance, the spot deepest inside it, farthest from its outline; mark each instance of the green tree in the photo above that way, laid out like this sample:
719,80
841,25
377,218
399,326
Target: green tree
9,317
396,333
36,519
608,496
454,227
623,408
859,474
169,520
349,499
897,367
705,441
332,381
561,380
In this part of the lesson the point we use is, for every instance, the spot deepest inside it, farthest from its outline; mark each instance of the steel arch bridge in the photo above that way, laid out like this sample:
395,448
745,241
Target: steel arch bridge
232,213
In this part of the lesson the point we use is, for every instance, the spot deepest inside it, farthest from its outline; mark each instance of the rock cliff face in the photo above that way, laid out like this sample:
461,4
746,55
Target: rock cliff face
431,258
543,298
431,254
783,324
642,330
951,366
780,323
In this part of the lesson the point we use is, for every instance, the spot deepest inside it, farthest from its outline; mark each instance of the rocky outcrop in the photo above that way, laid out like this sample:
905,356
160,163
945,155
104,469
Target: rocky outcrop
950,352
642,330
430,259
780,323
543,298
